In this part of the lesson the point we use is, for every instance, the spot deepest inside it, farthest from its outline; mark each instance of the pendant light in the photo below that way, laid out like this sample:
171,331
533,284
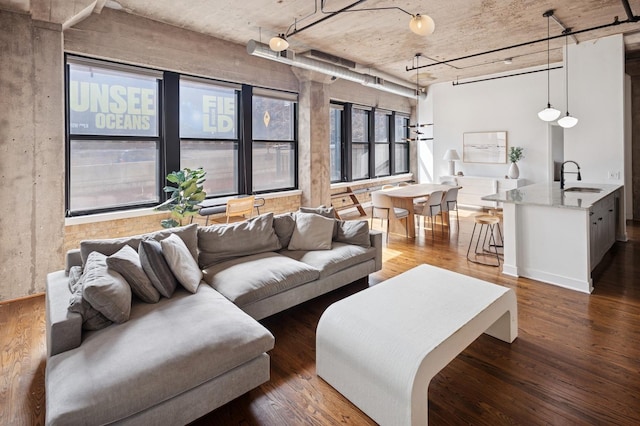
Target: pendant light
549,113
278,43
417,126
567,121
422,24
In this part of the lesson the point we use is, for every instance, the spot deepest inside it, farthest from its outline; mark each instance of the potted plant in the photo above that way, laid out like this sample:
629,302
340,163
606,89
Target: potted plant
185,197
515,155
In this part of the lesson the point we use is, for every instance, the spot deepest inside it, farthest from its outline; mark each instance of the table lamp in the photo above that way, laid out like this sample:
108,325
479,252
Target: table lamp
451,155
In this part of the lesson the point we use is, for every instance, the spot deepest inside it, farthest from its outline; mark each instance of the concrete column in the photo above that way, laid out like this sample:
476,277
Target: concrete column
31,153
314,159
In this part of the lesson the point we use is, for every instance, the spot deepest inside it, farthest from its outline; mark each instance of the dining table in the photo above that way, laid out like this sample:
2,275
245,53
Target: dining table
403,197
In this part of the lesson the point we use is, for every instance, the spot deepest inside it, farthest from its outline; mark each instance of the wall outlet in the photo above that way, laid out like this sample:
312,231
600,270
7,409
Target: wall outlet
614,175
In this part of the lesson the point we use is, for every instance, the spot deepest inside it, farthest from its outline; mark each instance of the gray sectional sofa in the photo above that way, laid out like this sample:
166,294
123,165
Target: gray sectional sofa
182,356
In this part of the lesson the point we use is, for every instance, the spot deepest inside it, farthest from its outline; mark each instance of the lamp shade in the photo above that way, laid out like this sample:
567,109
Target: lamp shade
451,155
568,121
422,24
549,114
279,43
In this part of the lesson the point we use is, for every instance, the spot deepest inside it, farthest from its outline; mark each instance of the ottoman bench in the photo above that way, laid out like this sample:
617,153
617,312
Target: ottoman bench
381,347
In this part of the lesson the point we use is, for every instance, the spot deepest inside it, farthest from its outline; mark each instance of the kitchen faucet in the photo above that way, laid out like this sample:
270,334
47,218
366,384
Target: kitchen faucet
562,172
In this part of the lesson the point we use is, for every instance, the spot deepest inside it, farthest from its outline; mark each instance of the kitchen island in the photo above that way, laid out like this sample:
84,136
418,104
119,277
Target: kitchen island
559,236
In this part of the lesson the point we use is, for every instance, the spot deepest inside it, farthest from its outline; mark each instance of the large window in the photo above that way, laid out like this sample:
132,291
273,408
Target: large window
114,136
209,133
335,141
274,140
359,143
401,144
127,127
382,143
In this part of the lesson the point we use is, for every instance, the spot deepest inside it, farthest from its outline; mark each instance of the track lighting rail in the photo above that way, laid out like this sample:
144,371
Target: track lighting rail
457,83
616,21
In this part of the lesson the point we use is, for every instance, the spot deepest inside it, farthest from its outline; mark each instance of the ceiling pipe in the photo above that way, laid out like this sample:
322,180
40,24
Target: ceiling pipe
261,50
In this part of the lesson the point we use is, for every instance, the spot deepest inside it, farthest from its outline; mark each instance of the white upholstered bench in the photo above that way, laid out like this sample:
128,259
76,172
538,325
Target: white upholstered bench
381,347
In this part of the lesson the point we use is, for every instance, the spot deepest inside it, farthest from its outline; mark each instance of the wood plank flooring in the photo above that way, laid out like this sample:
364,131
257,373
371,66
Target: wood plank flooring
576,360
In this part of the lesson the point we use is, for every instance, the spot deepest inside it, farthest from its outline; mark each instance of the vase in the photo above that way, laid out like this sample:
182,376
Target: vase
514,172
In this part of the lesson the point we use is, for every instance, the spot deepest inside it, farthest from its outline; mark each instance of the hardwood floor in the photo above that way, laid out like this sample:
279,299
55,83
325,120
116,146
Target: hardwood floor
576,359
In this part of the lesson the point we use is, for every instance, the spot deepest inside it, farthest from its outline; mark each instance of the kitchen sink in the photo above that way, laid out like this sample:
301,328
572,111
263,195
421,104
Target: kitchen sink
582,189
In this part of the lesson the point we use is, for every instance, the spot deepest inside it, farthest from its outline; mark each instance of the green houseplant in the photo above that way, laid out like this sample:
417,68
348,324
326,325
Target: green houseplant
515,154
185,197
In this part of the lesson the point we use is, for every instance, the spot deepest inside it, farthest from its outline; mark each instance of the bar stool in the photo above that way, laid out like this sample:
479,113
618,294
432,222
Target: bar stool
487,225
498,213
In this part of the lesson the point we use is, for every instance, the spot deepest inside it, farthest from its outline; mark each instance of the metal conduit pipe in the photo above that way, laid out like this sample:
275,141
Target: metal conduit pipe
261,50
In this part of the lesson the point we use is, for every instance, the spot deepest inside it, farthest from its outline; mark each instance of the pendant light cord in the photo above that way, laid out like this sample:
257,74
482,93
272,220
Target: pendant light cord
566,53
548,61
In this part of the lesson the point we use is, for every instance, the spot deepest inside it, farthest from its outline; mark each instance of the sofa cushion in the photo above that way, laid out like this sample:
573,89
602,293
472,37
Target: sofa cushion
92,319
155,266
218,243
354,232
110,246
256,277
183,266
312,232
126,262
165,349
328,262
283,225
328,212
106,290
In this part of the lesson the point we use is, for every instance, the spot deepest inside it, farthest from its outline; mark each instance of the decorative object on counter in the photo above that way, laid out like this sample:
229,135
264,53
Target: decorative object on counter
184,199
515,155
484,147
460,173
567,121
451,156
549,113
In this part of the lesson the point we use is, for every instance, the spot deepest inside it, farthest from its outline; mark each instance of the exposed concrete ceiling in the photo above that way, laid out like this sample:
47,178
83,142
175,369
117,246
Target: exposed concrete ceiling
381,40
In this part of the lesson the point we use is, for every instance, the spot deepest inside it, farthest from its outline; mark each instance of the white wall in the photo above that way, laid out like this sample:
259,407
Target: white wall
596,88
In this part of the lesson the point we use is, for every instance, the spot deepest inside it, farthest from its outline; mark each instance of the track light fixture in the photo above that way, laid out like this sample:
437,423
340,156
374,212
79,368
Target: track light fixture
549,113
419,24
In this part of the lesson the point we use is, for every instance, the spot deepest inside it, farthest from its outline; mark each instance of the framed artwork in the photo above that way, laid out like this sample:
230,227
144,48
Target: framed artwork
484,147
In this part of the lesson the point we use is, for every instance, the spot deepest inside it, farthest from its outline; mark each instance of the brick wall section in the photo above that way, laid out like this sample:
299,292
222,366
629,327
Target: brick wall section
73,234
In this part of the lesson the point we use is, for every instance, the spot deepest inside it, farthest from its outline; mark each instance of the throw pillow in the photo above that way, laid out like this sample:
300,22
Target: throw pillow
91,318
155,266
283,225
354,232
218,243
106,290
312,232
181,263
127,263
328,212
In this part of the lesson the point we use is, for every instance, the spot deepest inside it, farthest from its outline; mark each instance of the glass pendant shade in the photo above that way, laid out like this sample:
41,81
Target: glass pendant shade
549,113
279,43
568,121
422,24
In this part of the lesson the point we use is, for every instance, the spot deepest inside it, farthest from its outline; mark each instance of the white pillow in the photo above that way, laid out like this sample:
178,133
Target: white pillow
181,262
312,232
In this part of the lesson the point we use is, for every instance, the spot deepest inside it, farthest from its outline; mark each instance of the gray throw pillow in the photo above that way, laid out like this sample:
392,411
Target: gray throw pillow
312,232
221,242
183,266
155,266
354,232
91,318
328,212
283,225
109,246
127,263
105,290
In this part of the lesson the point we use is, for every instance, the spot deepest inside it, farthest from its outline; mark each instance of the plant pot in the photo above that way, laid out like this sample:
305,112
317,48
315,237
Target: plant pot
514,172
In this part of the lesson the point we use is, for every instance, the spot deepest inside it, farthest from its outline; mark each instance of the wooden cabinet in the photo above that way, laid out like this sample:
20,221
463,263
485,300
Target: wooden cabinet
602,228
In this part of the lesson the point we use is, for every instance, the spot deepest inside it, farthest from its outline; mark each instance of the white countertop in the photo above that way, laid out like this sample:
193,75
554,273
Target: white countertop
549,194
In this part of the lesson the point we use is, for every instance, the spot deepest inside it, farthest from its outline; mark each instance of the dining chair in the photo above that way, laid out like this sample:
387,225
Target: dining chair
401,184
240,207
382,208
449,204
431,208
387,186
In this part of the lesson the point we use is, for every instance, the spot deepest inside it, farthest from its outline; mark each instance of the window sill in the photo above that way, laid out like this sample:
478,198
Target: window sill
126,214
375,181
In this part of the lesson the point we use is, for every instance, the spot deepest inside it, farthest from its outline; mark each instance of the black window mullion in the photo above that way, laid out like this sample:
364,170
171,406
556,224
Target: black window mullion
348,142
372,143
170,149
392,144
245,160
